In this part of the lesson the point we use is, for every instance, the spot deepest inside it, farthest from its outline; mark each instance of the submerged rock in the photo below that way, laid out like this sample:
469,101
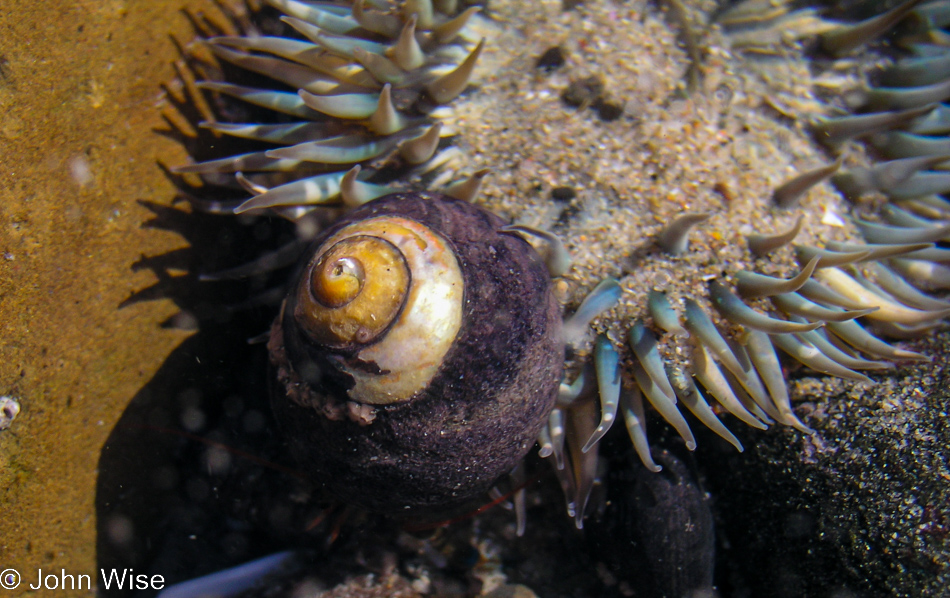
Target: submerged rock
862,507
656,530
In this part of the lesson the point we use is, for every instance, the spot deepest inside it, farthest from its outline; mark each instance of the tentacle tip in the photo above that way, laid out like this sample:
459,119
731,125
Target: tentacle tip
588,446
691,445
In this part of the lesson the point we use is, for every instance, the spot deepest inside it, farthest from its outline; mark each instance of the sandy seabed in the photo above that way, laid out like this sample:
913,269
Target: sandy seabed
80,99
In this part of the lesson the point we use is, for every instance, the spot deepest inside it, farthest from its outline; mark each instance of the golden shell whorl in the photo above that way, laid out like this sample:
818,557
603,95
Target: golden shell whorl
442,395
390,290
357,288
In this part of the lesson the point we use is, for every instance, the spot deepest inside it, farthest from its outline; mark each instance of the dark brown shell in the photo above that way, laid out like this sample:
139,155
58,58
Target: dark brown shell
481,412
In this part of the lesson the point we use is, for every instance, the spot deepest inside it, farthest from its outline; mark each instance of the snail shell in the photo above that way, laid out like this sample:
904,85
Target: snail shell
417,354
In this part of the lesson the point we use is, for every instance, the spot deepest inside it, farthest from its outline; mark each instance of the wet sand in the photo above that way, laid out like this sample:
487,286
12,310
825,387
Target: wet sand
80,99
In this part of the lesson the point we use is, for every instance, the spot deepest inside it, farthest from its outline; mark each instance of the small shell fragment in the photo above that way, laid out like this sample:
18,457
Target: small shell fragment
9,409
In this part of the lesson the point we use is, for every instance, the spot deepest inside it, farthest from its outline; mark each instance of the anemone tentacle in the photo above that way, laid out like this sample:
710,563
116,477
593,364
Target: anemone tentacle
347,72
367,77
813,318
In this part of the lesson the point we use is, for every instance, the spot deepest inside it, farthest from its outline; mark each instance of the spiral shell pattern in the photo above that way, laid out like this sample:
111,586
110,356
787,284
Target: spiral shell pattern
395,424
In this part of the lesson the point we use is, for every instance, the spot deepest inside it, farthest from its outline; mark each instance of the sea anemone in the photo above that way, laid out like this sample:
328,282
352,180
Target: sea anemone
366,83
728,151
348,139
706,200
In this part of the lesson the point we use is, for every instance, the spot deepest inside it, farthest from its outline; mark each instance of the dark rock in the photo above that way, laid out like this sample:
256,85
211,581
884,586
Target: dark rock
656,531
862,507
608,110
563,193
551,60
584,92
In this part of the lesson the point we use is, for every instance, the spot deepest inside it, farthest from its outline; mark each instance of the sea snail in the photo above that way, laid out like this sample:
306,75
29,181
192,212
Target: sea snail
416,335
